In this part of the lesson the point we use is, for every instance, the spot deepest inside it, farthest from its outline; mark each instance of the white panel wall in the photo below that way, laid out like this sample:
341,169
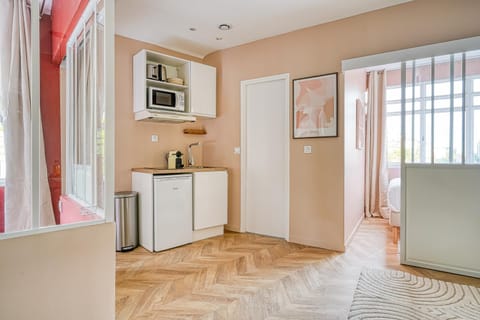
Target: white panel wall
67,274
441,218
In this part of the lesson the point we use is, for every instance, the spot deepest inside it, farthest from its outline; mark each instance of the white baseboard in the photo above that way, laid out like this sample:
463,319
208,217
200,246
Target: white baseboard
207,233
350,237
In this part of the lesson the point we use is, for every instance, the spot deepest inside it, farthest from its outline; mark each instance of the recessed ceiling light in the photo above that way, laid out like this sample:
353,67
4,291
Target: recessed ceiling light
192,29
219,38
224,26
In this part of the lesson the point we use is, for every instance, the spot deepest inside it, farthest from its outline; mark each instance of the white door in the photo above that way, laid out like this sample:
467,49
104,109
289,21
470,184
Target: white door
265,156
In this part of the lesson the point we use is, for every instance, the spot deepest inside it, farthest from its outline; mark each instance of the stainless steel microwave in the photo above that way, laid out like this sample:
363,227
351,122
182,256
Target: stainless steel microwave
163,99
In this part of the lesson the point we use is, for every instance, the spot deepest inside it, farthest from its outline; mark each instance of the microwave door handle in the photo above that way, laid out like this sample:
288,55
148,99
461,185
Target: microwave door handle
174,100
153,97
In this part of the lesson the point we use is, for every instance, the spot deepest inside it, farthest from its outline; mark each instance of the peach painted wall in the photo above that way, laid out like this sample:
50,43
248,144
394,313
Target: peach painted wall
68,274
355,86
133,146
317,181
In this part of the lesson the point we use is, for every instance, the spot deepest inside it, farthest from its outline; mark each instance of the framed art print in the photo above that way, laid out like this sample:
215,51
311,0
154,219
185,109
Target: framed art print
315,107
360,124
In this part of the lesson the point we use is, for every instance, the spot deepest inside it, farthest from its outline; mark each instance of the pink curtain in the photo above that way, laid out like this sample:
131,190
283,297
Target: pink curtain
376,171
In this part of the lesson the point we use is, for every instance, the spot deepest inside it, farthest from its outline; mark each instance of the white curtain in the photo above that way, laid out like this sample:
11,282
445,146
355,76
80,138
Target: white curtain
376,171
16,116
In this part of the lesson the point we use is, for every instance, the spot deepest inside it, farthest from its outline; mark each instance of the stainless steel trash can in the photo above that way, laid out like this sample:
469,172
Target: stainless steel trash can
126,219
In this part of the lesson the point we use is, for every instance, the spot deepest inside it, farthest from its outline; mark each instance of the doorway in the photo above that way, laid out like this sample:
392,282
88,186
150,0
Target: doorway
431,157
265,138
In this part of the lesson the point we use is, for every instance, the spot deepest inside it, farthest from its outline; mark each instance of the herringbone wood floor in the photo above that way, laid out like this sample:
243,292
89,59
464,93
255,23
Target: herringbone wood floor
246,276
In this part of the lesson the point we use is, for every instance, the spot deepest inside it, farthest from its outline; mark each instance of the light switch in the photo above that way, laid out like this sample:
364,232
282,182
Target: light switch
307,149
154,138
236,150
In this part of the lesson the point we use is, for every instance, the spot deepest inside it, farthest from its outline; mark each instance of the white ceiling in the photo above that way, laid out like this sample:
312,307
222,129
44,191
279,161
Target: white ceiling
167,22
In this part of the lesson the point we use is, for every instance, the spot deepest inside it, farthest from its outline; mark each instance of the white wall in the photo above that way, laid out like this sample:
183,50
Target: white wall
67,274
355,83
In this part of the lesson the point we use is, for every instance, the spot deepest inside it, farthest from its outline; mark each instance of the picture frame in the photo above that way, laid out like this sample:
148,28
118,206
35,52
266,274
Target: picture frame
360,124
315,110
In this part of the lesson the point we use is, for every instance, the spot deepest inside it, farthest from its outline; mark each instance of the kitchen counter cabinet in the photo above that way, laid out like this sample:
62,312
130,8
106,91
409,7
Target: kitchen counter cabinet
209,198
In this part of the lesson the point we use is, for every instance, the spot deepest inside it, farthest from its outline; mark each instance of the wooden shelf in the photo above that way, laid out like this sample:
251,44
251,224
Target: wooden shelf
194,131
156,83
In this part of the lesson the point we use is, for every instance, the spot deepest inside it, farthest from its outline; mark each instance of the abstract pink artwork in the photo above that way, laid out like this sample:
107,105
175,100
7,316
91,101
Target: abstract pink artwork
315,106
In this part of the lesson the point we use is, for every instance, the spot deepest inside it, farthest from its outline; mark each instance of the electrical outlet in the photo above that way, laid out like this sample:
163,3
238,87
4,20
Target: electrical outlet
307,149
236,150
154,138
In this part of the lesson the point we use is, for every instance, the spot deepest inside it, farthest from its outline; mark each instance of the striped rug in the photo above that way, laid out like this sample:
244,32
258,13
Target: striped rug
389,294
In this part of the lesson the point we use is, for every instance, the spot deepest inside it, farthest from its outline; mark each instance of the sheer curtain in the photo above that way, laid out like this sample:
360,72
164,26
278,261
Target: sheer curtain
376,172
16,116
83,119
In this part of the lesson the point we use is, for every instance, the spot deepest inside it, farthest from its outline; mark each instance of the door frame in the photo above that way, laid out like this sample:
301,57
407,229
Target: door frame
243,147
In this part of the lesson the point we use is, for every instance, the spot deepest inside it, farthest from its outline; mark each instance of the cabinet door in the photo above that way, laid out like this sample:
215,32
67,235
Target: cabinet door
209,199
203,90
172,207
139,78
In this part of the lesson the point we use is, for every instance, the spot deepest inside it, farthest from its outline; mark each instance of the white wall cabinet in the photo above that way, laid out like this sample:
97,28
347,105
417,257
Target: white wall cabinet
177,68
199,87
203,90
210,194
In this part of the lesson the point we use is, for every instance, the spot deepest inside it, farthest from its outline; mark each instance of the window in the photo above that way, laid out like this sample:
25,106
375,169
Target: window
3,164
45,159
434,95
2,137
86,113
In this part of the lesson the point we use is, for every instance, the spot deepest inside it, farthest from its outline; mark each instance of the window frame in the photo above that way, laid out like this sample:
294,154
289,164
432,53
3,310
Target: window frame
424,113
85,31
109,101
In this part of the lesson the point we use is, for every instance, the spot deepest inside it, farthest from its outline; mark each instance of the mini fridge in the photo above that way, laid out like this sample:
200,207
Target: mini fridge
172,211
